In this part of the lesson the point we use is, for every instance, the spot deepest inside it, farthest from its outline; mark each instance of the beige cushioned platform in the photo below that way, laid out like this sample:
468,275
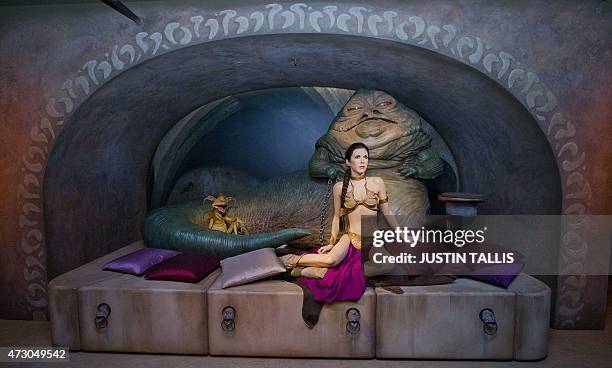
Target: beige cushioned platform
532,317
64,301
433,322
443,321
268,322
145,315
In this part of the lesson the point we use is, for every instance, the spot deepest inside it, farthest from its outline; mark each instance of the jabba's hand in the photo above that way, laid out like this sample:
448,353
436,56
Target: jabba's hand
428,164
325,248
334,172
408,169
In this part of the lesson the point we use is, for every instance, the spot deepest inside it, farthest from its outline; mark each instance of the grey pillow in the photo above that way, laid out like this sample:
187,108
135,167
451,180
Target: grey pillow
249,267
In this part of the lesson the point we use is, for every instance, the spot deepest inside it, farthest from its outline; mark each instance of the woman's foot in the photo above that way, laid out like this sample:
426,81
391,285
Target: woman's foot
296,272
290,260
314,272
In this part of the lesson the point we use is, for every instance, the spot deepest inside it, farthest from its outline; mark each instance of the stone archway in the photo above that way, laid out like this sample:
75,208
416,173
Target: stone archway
95,182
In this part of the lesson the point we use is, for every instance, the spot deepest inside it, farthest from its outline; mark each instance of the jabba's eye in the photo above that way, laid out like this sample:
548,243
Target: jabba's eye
353,108
385,103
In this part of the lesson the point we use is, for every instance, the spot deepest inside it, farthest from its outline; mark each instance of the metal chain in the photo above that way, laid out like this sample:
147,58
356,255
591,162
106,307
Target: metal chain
324,207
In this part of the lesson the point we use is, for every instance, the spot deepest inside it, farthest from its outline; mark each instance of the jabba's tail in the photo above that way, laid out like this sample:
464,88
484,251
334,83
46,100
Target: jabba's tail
174,227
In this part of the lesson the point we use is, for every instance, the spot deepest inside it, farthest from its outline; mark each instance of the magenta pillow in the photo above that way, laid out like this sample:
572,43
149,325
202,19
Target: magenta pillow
138,262
188,267
498,275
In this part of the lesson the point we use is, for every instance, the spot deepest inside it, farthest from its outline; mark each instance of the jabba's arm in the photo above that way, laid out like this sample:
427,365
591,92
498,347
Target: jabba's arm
322,166
327,160
426,164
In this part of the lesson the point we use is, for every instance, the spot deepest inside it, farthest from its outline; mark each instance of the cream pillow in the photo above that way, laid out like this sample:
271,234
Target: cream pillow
249,267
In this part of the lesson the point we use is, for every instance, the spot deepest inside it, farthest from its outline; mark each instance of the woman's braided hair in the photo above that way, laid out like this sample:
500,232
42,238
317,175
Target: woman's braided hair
347,174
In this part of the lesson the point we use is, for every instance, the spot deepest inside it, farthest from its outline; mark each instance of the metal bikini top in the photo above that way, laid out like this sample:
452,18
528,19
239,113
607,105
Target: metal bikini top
371,200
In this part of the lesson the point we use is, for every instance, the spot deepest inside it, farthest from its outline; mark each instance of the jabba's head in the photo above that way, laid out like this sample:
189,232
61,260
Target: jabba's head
374,118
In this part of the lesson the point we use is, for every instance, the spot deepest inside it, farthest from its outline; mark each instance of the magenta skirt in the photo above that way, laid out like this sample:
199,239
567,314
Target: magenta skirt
346,281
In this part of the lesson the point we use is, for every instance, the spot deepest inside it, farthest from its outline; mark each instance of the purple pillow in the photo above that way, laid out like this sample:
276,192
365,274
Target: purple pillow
498,275
140,261
188,267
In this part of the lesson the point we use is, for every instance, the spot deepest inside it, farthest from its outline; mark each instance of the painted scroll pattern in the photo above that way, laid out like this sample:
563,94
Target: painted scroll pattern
303,18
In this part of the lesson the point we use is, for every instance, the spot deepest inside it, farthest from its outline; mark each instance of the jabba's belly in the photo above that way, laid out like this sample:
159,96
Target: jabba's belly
407,197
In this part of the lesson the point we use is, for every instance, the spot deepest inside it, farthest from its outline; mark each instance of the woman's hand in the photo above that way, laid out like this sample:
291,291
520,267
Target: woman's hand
325,248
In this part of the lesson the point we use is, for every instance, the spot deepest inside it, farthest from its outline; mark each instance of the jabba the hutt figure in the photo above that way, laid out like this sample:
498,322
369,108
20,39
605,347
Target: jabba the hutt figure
287,209
400,151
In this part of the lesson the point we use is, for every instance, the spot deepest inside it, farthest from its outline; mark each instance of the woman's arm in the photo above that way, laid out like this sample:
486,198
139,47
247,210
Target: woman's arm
384,205
337,191
372,269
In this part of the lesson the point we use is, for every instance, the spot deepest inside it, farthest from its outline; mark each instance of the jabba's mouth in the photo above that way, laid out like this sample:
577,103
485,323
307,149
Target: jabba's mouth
376,119
374,131
364,120
377,131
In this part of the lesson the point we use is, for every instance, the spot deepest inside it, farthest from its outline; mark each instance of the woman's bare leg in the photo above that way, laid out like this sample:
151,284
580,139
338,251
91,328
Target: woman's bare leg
335,256
314,272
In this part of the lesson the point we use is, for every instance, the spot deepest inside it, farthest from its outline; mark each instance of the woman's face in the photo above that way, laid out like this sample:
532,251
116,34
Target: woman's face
358,162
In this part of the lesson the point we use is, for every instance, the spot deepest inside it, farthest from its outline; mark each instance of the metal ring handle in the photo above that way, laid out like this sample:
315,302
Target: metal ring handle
352,321
228,323
489,324
102,313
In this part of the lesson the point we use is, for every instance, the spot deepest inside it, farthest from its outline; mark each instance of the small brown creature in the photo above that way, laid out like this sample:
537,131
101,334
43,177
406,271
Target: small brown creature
219,221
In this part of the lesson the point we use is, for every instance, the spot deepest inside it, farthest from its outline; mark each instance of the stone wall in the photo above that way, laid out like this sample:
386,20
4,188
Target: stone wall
539,65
